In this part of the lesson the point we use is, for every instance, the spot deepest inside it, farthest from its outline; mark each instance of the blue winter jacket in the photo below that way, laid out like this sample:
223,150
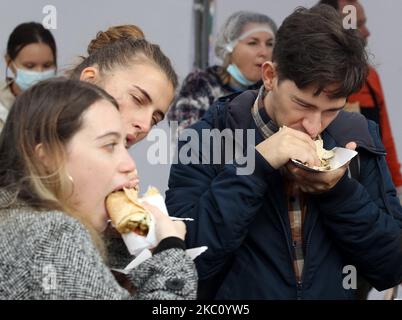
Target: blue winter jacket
243,219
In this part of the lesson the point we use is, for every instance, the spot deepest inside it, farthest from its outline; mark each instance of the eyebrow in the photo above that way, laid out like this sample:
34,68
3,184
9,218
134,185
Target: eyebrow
313,105
147,96
110,133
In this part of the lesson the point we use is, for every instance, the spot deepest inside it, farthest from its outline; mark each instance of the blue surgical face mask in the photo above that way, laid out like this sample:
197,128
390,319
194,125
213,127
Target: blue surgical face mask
238,76
27,78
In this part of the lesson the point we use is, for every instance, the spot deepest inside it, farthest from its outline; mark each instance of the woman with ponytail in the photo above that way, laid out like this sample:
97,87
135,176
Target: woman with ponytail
135,72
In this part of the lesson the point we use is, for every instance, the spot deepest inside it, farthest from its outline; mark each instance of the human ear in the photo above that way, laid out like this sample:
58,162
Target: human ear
268,74
42,156
90,74
8,62
7,58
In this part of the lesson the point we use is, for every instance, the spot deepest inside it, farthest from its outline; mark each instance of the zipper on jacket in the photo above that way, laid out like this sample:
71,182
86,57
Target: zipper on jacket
299,282
308,240
290,244
299,290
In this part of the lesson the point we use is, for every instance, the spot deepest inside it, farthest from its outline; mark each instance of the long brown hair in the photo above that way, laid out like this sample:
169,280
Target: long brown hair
49,114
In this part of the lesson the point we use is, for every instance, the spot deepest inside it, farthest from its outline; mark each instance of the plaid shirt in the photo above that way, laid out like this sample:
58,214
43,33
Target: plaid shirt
295,198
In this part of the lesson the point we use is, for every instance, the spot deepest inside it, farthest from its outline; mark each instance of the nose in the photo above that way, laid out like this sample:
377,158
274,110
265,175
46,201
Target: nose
127,163
312,124
143,122
264,51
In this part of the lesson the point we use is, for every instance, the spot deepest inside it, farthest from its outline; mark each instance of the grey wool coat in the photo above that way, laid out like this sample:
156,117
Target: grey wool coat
50,255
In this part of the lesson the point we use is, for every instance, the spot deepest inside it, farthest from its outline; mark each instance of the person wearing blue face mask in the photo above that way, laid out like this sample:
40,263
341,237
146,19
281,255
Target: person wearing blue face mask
31,57
244,43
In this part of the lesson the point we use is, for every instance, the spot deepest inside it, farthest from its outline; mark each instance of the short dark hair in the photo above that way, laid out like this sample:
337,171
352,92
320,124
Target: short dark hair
27,33
313,49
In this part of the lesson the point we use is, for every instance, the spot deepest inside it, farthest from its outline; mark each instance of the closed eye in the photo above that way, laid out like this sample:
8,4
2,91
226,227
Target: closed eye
157,117
303,105
136,99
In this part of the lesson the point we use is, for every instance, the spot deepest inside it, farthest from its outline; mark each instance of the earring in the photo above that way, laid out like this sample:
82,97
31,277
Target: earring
71,186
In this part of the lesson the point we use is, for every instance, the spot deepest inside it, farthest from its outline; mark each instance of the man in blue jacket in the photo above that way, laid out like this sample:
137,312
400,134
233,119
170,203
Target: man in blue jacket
283,232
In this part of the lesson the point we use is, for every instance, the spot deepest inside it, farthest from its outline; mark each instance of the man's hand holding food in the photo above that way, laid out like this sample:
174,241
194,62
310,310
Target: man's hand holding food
317,182
289,144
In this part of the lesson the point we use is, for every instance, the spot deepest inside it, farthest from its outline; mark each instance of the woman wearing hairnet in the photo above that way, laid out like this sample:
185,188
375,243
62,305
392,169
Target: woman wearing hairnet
243,44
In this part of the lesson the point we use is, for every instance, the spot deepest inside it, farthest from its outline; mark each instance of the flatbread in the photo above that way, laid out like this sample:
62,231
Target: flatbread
127,213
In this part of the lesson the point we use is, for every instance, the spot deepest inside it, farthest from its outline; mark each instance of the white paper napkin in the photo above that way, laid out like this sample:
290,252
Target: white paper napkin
135,243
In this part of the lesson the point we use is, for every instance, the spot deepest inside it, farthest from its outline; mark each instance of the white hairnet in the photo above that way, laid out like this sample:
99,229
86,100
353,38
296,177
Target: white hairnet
231,31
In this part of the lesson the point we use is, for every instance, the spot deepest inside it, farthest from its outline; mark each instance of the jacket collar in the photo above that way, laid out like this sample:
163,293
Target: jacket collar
239,110
350,126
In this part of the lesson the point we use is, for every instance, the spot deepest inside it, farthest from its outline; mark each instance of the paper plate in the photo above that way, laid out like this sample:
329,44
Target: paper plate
341,157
